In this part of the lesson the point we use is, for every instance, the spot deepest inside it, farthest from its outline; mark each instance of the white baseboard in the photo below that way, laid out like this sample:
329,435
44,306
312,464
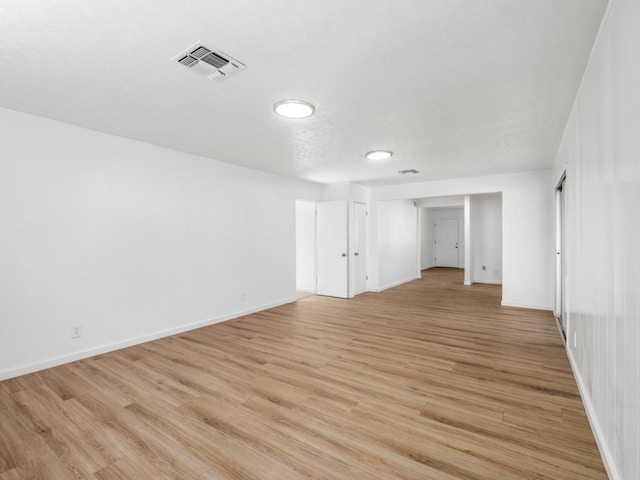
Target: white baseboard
605,452
110,347
395,284
526,305
490,282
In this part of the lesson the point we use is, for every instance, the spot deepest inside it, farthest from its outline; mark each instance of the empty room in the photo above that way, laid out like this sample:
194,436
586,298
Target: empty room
319,240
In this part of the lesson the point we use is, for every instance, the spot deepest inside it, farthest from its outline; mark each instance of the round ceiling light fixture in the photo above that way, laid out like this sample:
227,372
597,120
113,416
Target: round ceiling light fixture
379,155
294,109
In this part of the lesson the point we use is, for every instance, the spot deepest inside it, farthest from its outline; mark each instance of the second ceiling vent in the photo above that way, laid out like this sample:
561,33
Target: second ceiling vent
210,63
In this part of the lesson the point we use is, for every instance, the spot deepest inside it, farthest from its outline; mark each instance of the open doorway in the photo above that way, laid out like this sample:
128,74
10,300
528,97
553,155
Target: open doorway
442,237
478,219
331,248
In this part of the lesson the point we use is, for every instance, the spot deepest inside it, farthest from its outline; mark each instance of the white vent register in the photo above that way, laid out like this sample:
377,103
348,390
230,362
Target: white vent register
209,63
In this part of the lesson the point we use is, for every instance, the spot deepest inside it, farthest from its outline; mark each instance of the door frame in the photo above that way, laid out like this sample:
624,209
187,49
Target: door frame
560,307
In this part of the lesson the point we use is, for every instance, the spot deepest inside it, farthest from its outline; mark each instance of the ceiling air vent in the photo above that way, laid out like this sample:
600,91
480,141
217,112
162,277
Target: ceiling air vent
412,171
209,63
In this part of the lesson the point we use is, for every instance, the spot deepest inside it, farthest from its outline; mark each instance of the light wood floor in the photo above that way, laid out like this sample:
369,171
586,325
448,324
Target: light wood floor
430,380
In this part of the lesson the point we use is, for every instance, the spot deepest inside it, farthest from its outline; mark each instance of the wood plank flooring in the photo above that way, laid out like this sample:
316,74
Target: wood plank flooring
429,380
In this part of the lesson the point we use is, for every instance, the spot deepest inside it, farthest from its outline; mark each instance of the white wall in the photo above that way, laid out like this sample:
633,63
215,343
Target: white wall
305,246
129,240
441,202
468,243
601,153
426,238
527,228
336,191
397,243
486,237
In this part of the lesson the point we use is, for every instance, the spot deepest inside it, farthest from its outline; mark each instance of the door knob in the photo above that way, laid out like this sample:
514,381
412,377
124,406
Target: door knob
344,254
356,254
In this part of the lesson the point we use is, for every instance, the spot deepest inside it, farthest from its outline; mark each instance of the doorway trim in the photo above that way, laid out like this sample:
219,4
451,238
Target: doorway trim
560,306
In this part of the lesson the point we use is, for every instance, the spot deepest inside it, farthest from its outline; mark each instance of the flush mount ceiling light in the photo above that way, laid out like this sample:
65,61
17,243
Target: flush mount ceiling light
379,155
294,109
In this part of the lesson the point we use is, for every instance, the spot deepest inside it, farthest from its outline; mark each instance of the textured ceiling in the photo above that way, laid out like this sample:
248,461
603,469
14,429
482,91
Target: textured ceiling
453,87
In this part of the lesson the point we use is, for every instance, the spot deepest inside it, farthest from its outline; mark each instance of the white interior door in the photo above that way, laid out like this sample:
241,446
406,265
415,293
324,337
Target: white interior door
359,248
446,243
331,244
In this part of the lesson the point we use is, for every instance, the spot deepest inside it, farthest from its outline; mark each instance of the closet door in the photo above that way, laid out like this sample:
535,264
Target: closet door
332,249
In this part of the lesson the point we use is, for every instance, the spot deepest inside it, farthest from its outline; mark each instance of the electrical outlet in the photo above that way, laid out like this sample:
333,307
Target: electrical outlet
575,339
76,331
243,297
